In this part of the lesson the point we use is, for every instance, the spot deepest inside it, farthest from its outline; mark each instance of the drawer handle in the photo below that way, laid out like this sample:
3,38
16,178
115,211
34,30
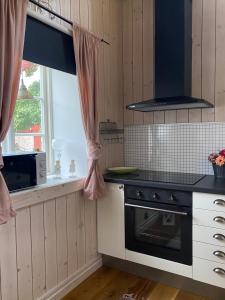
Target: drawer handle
219,202
219,236
219,219
219,271
219,254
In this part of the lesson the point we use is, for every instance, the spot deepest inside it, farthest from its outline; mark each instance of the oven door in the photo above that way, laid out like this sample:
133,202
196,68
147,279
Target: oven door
159,230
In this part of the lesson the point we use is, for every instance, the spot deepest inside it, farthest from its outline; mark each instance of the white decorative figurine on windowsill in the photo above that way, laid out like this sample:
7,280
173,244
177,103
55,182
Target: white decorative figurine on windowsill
57,146
57,171
72,168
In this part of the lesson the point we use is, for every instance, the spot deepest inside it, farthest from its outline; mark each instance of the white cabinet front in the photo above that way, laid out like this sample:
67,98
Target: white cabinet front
209,272
110,212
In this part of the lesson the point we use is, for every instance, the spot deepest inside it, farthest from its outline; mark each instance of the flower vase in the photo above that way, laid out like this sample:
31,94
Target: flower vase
219,171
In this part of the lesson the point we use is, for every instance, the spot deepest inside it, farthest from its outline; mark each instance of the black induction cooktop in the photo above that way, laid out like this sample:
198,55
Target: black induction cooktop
167,177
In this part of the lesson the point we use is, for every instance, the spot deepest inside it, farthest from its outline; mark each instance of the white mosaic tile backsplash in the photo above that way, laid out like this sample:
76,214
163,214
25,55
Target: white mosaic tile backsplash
173,147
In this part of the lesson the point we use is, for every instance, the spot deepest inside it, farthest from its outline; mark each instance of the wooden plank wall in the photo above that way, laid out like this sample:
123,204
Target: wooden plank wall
104,18
45,245
48,242
208,65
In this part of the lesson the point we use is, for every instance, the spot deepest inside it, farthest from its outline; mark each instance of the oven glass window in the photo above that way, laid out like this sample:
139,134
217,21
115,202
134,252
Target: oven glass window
158,228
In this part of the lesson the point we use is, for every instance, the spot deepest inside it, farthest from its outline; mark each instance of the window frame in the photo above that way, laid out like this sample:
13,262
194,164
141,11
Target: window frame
45,98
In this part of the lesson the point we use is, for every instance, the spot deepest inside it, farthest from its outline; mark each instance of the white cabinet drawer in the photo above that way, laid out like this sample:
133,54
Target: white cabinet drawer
209,218
210,252
203,270
207,235
209,201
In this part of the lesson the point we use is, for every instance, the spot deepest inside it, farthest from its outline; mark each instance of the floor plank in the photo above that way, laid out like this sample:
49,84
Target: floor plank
111,284
187,296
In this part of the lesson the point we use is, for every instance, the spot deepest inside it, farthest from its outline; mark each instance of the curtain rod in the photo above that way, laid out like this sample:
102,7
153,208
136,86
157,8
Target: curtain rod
57,15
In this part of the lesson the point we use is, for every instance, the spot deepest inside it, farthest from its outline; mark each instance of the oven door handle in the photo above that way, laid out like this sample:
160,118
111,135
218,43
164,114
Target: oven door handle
157,209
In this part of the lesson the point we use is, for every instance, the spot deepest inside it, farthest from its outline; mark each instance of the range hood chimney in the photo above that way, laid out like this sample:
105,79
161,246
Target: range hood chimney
173,59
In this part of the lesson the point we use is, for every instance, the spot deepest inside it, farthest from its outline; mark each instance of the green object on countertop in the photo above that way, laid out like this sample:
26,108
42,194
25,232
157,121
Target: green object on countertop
122,170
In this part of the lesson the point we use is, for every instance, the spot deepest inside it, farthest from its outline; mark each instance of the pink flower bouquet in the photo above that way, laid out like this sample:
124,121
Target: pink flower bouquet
218,163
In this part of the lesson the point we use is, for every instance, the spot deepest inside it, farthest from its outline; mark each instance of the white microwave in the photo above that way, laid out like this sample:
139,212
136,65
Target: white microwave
24,170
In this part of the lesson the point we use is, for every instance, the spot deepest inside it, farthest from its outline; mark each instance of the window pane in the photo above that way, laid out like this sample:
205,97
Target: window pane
27,116
30,75
28,143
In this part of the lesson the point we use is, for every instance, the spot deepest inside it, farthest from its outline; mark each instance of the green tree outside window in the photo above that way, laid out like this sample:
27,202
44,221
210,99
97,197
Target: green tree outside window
28,112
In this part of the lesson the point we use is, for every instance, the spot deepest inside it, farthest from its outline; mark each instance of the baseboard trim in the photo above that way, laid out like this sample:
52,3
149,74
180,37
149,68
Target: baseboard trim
57,293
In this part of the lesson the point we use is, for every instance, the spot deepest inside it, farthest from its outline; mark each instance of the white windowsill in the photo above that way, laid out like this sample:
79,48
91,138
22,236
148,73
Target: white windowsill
53,188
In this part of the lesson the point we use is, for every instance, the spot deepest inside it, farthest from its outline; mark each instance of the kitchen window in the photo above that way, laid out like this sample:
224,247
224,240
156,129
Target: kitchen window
50,109
47,109
31,125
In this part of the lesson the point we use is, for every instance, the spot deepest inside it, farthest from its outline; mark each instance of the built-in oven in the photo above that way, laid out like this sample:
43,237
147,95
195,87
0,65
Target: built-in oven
158,222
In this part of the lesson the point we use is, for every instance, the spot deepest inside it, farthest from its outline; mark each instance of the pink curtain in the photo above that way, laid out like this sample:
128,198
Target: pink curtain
86,53
12,31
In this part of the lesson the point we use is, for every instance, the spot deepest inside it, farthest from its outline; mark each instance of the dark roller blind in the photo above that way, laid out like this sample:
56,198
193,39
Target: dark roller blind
48,46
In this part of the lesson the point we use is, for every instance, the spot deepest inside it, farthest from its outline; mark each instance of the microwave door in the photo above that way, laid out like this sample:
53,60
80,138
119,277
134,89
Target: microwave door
19,172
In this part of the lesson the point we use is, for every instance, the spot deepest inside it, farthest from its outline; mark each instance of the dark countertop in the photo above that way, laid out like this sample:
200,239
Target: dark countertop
208,184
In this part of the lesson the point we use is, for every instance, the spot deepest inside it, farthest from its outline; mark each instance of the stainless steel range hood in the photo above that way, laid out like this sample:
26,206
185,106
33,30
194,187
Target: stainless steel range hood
169,103
173,59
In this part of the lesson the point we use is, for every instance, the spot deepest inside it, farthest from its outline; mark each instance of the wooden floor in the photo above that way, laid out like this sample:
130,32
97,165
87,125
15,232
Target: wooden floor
112,284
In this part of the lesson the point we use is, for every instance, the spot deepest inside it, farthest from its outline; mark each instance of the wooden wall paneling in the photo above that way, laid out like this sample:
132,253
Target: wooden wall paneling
207,61
38,250
138,57
128,59
170,116
8,261
72,233
90,209
116,60
105,74
113,80
84,13
208,57
182,116
50,244
61,238
75,11
24,262
39,243
96,24
148,55
113,109
195,115
159,117
220,62
112,101
108,112
102,160
94,13
80,225
66,9
106,109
